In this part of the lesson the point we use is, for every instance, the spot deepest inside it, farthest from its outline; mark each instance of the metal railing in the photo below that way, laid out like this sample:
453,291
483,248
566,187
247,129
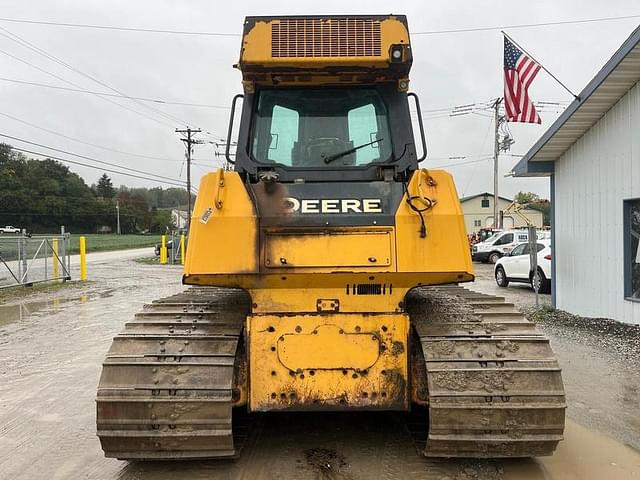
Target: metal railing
29,259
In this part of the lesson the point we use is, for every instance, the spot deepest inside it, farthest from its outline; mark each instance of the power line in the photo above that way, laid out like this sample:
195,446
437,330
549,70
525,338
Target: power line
87,158
124,29
459,157
26,44
162,122
69,214
150,157
228,34
462,163
484,142
114,95
129,200
65,160
523,25
481,109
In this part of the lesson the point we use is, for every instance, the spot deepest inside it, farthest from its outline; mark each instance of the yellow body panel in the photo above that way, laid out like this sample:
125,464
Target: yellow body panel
445,248
348,248
225,250
323,361
323,50
224,229
257,47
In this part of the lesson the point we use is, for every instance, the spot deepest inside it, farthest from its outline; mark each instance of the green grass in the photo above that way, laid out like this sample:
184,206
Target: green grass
108,242
95,243
148,260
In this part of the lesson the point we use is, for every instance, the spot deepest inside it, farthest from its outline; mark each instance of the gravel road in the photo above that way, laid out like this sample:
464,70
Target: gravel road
600,361
52,345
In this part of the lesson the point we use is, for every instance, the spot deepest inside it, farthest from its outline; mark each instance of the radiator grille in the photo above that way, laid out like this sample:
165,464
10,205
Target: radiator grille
314,37
369,289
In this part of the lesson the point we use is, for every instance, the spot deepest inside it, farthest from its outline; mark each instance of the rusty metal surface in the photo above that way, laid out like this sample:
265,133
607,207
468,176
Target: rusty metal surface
337,361
166,389
494,385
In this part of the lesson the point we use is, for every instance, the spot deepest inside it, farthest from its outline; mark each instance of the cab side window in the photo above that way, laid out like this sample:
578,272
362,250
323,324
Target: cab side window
505,239
284,133
519,250
363,129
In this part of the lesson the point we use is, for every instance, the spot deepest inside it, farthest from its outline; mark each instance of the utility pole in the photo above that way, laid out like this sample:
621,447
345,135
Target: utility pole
118,216
188,141
496,152
225,165
502,143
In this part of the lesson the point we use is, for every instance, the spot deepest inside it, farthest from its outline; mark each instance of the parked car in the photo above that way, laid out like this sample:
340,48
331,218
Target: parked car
169,247
10,229
501,243
516,267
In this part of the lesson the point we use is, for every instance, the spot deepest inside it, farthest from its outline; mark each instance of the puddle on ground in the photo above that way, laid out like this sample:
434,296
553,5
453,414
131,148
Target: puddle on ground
21,311
588,455
107,293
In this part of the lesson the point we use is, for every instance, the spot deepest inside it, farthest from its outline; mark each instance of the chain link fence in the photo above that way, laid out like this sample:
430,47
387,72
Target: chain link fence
29,259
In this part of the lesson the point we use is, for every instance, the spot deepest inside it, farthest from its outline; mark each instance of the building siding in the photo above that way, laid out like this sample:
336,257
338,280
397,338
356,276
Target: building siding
473,210
592,179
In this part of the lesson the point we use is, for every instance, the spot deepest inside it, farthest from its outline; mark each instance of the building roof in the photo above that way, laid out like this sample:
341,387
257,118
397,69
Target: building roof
610,84
482,194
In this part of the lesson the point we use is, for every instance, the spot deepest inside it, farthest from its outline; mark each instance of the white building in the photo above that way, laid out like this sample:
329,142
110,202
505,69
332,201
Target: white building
179,219
478,213
592,156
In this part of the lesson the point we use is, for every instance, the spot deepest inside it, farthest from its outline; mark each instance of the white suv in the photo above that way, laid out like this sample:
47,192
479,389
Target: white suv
515,267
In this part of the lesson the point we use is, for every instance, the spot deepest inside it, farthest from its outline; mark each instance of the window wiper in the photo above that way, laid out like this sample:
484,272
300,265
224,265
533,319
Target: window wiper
336,156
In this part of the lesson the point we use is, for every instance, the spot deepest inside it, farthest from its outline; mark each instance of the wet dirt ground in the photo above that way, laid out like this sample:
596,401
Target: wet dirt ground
600,365
52,345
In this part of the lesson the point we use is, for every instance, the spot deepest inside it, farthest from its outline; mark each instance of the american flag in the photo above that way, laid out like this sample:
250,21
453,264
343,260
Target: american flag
519,72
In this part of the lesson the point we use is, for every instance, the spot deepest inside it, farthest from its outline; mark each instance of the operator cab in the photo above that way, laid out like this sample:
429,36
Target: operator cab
325,112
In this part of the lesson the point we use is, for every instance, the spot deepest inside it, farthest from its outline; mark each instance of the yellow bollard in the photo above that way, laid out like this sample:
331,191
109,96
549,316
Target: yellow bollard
182,249
83,259
163,250
54,258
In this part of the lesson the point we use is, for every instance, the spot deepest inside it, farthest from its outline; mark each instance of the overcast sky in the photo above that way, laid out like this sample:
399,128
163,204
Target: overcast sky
449,69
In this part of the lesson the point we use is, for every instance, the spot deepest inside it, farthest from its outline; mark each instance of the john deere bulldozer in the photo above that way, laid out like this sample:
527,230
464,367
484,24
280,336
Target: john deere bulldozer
326,268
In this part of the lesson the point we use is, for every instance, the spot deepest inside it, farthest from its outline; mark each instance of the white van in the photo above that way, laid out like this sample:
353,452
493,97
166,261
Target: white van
502,243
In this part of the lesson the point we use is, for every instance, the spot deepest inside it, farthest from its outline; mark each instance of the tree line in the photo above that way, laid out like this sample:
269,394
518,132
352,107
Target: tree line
42,195
534,202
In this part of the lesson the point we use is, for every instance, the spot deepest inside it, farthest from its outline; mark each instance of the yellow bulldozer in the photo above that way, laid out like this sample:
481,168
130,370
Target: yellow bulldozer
326,270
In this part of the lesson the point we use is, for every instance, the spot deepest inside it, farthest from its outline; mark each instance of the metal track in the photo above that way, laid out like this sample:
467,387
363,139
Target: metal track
166,386
494,385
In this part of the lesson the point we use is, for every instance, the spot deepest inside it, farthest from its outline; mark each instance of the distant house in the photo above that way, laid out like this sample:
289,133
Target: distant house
179,219
591,154
478,213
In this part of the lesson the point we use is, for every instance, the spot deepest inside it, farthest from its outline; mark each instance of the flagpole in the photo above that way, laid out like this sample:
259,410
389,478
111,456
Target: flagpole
541,66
